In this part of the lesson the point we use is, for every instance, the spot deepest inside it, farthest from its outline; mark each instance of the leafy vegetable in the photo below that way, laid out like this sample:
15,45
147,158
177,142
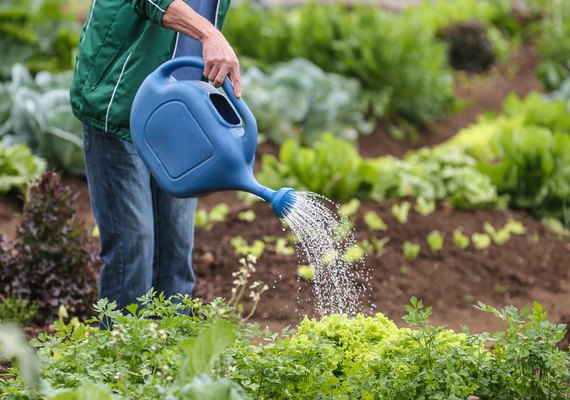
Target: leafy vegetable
424,207
306,272
241,247
50,261
40,115
460,240
481,241
374,222
219,213
18,167
298,100
401,211
435,241
402,66
411,250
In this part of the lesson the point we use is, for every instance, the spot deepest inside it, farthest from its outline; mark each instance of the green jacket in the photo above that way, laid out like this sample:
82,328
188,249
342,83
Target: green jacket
121,42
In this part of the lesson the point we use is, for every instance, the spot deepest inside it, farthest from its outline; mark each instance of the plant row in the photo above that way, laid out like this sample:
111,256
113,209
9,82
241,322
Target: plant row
156,351
520,156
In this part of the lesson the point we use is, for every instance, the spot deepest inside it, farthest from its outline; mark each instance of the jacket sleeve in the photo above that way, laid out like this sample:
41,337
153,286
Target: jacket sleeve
150,9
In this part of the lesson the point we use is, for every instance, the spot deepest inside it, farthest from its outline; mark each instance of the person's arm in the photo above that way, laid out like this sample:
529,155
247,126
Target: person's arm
220,59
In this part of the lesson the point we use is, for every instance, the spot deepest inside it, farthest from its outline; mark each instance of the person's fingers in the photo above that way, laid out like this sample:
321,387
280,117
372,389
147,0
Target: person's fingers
207,68
213,72
236,80
219,79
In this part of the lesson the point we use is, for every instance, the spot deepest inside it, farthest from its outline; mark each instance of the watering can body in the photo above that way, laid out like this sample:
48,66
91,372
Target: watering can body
193,140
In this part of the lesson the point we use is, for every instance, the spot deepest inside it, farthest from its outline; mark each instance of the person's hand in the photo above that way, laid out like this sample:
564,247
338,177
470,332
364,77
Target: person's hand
220,61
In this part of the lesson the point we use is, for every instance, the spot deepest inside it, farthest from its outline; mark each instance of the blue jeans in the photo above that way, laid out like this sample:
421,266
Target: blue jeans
146,234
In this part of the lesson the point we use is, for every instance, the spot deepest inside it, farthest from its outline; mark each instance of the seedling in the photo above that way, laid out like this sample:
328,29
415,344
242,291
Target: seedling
353,254
556,227
374,245
481,241
435,241
499,237
411,250
425,207
247,216
374,222
404,269
282,247
306,272
401,211
515,227
241,247
329,257
203,219
498,288
349,209
460,240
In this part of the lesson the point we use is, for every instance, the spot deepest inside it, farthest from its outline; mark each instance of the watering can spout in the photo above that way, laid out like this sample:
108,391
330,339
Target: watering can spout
282,200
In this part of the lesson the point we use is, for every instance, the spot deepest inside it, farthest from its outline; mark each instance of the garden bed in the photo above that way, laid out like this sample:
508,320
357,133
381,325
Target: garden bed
530,267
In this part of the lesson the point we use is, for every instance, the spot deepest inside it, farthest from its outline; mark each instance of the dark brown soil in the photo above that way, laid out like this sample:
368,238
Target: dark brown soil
527,268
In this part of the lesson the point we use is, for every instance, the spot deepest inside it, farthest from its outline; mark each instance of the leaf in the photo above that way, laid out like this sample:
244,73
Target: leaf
13,345
87,391
203,388
202,351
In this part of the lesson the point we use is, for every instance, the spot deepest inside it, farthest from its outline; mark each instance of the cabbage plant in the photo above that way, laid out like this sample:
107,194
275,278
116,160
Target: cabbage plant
36,111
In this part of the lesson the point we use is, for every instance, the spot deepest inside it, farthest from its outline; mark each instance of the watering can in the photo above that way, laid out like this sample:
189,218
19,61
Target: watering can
193,140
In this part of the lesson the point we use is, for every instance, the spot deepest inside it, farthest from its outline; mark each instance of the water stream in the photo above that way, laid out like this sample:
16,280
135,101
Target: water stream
323,239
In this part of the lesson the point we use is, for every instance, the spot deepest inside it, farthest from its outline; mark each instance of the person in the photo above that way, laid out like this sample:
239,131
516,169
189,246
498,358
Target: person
146,235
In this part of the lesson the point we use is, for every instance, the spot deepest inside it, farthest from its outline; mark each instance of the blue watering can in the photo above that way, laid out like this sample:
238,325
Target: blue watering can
193,141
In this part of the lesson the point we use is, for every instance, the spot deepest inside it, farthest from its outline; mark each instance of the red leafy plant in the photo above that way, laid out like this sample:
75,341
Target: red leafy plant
51,261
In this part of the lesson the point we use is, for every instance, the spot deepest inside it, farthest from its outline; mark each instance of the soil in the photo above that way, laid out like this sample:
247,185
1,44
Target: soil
527,268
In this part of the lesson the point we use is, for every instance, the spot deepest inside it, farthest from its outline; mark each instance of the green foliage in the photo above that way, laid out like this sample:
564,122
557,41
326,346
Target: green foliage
41,34
411,250
369,357
460,240
435,241
18,167
298,100
534,169
247,216
282,247
50,261
524,152
332,167
157,351
401,211
306,272
13,346
500,236
554,42
555,226
481,241
353,254
402,67
153,351
38,112
424,207
14,309
375,246
242,247
349,210
536,368
374,221
206,220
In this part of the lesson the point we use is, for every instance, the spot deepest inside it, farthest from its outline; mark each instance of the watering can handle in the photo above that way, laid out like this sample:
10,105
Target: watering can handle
166,69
